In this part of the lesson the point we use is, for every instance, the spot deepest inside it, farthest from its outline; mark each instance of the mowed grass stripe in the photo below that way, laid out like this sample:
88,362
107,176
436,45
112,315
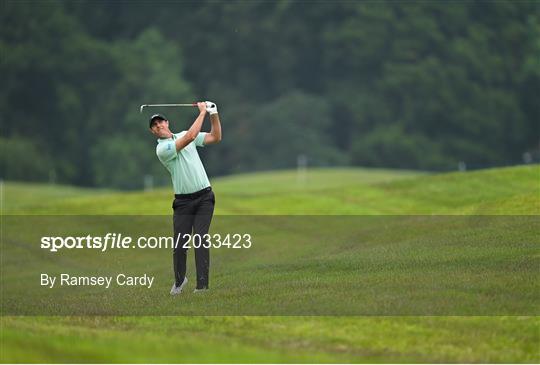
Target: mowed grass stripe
271,339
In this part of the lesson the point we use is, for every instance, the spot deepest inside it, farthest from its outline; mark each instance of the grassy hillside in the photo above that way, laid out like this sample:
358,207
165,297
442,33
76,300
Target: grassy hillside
327,191
309,339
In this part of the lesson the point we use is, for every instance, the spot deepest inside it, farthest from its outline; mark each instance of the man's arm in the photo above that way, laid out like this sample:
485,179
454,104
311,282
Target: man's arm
215,132
194,130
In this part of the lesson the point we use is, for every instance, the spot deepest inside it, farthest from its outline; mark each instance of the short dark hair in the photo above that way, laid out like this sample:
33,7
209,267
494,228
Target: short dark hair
155,118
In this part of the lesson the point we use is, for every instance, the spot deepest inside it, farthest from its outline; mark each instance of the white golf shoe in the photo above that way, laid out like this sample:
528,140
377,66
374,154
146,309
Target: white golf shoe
203,290
175,290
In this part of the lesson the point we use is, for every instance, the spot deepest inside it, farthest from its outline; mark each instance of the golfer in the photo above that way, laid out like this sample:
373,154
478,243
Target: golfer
194,200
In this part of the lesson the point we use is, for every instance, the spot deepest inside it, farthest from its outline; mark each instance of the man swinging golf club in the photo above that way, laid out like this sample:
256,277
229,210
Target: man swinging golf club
194,200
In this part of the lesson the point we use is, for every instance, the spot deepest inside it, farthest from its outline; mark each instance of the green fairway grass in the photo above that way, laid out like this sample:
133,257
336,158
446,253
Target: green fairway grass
296,265
508,191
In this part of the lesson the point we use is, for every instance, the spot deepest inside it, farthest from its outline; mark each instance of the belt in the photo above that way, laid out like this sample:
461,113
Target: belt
193,195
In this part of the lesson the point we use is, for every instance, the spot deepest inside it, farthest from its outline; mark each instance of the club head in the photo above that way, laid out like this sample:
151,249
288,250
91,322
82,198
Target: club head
142,107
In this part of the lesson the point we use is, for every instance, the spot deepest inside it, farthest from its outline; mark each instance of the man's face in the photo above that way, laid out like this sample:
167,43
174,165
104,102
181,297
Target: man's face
160,129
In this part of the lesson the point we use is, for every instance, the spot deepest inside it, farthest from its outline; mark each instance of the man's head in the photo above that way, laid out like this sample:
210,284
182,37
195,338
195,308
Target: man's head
159,126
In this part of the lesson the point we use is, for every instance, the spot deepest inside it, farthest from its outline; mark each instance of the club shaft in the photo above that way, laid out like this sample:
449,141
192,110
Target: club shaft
190,104
166,105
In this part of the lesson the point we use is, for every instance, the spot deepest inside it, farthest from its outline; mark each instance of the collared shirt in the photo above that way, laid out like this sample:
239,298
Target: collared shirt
185,166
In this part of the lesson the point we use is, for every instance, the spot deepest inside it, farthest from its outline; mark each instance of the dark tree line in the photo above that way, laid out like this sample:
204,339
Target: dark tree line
407,84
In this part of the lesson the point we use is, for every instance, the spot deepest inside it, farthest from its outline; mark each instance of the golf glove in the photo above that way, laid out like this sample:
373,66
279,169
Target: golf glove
211,107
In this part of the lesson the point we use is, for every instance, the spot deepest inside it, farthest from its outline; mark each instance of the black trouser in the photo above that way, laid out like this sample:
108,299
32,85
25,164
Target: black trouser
192,214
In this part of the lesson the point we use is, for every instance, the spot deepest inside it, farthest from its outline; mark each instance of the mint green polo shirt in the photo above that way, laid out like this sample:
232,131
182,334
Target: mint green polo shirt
185,166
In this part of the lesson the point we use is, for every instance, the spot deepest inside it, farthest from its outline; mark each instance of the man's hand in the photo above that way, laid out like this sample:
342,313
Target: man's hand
211,107
215,133
202,107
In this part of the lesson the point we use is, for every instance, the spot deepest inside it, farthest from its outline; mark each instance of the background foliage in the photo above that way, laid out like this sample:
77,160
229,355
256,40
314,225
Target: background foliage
409,84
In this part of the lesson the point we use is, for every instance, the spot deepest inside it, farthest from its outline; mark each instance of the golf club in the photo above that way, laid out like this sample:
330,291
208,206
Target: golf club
165,105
